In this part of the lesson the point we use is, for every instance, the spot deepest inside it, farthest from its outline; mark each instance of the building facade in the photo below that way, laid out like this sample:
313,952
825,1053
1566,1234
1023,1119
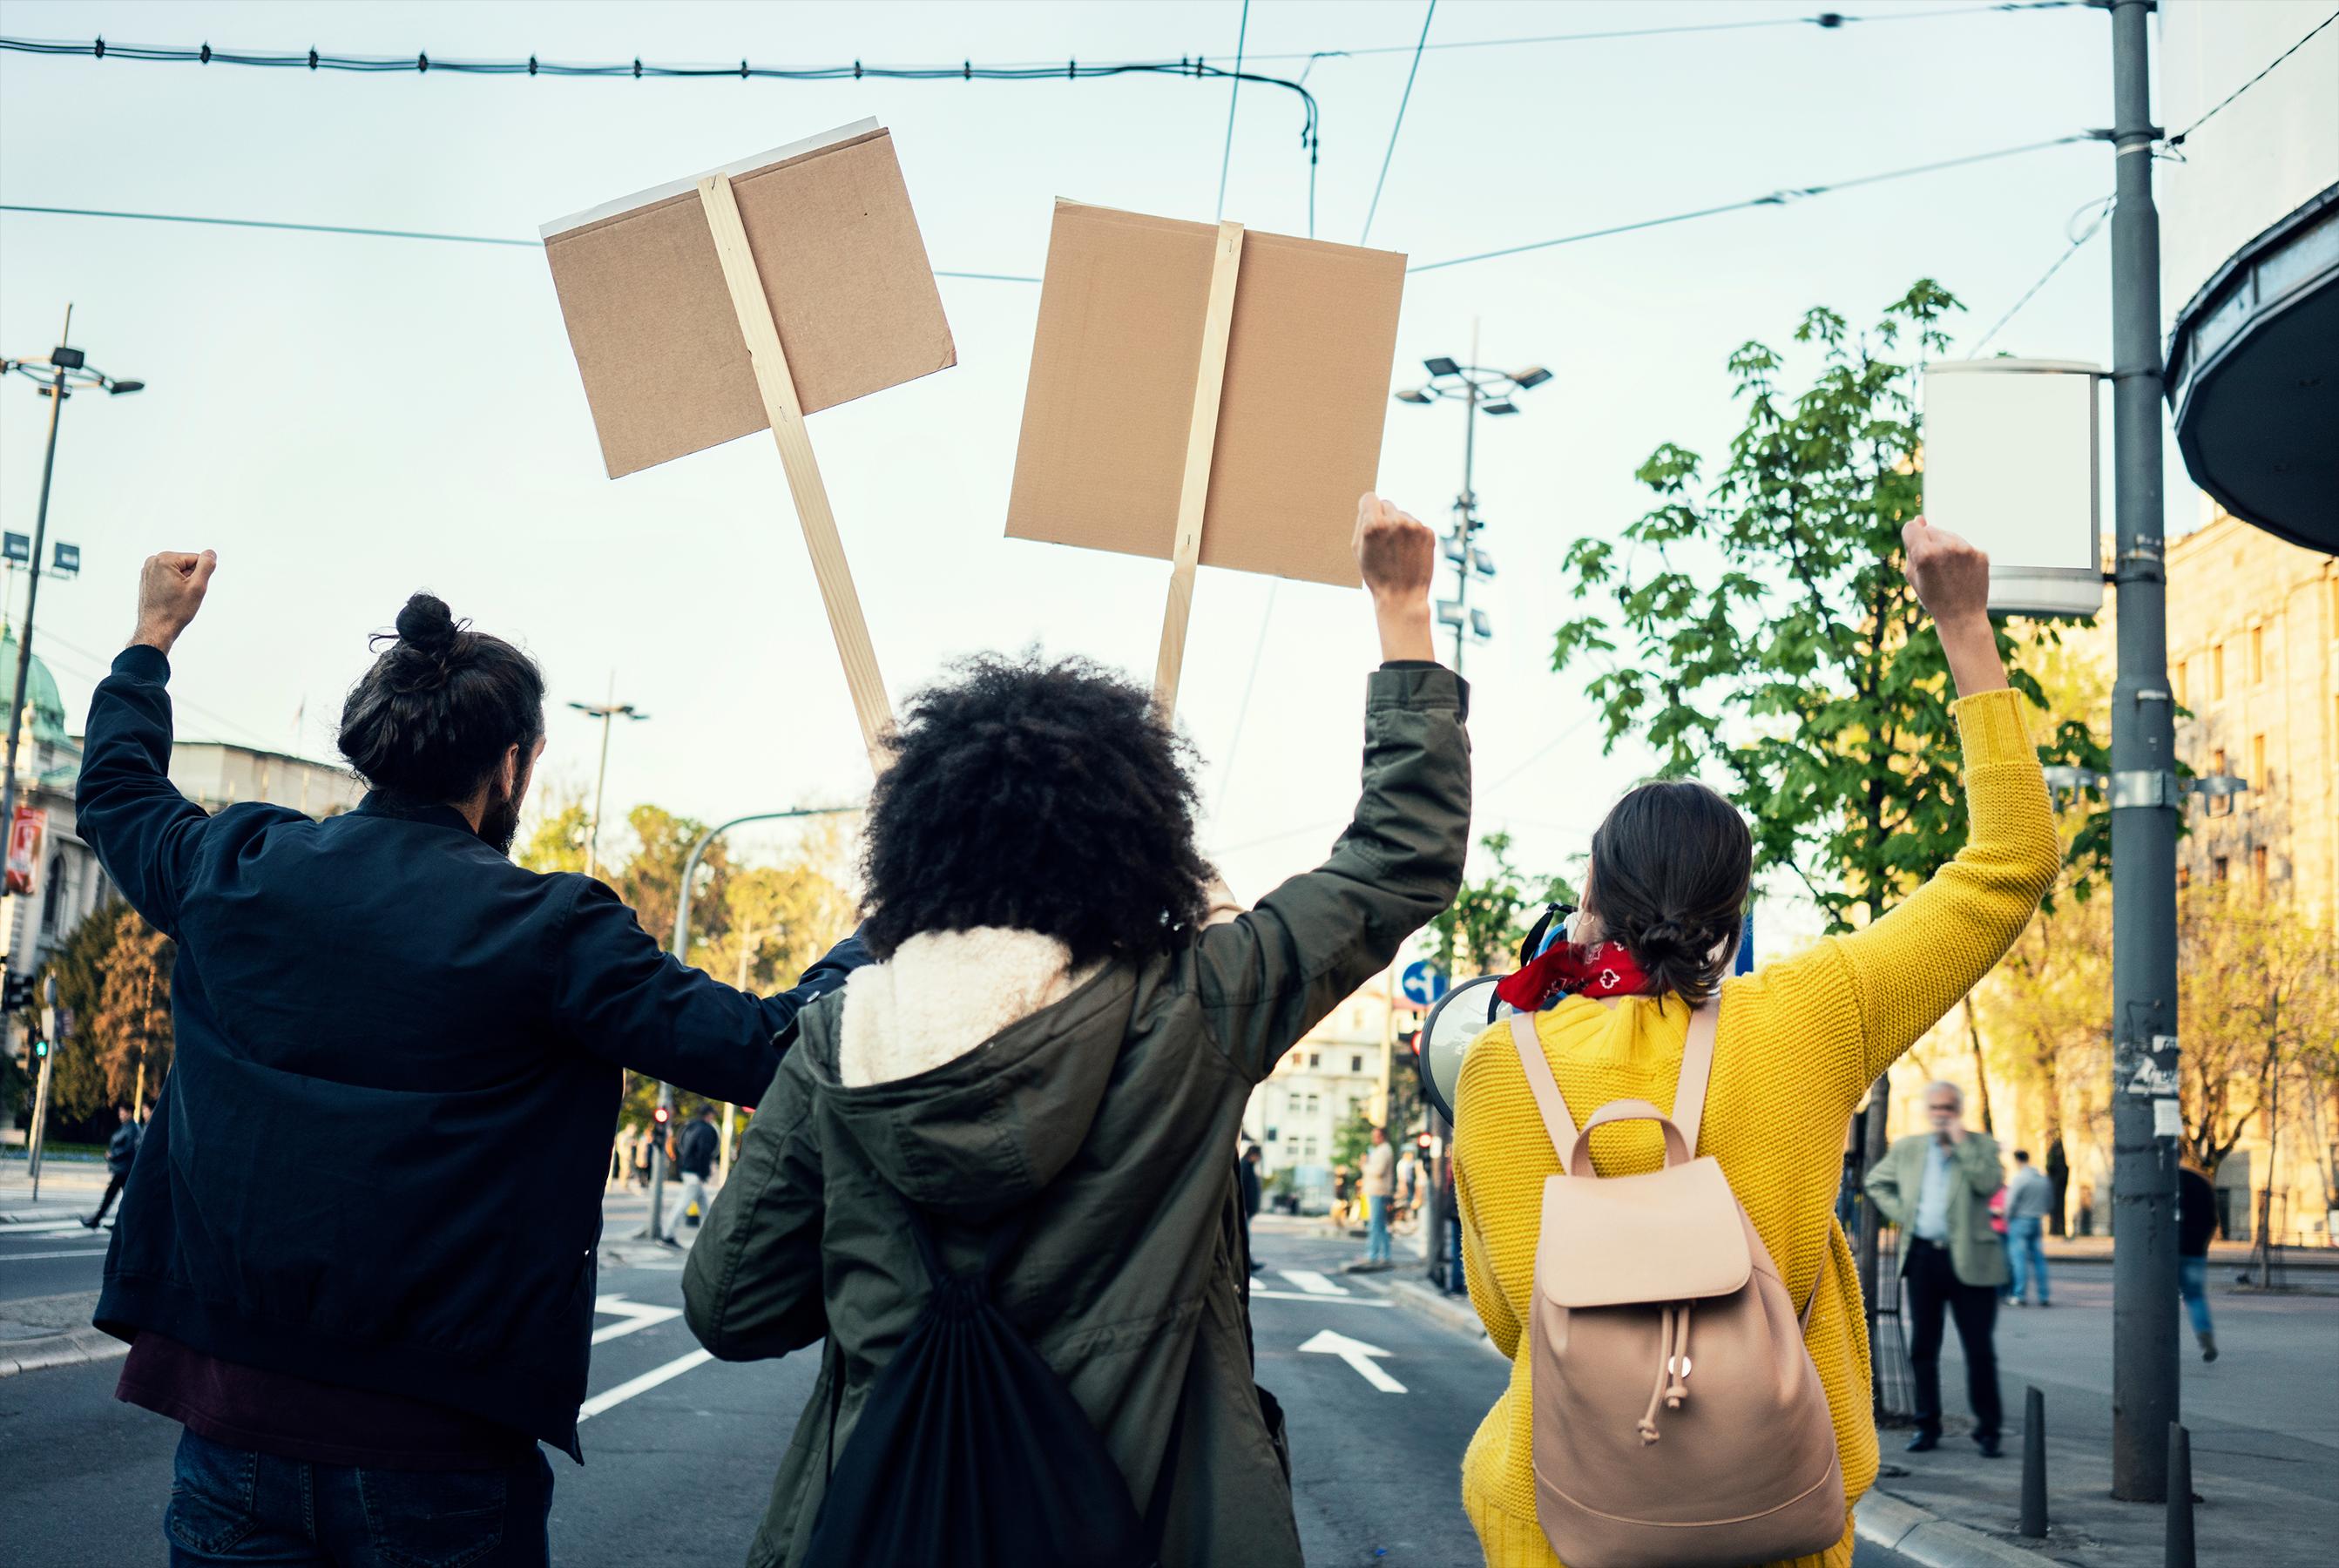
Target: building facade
67,880
1321,1085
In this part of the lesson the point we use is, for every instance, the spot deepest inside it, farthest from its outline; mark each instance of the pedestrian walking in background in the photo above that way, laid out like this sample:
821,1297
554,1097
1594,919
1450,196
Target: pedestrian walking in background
1797,1045
1380,1191
2029,1199
1341,1187
2196,1222
1408,1181
365,1307
1936,1186
1253,1195
1041,1083
121,1154
696,1146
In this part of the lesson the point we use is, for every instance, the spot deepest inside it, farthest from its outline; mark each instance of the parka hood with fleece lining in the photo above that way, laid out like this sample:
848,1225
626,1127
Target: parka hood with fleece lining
968,1067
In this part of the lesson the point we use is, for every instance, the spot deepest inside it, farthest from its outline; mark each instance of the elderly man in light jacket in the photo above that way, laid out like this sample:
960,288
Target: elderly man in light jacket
1936,1186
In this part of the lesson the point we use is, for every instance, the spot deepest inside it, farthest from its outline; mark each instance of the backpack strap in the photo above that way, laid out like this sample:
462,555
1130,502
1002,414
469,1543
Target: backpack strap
1696,1068
1549,1101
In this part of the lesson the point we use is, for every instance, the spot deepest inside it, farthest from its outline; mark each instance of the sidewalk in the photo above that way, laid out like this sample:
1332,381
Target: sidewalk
69,1189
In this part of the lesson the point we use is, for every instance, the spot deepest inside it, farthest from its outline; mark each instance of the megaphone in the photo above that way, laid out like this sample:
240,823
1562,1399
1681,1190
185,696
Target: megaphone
1461,1016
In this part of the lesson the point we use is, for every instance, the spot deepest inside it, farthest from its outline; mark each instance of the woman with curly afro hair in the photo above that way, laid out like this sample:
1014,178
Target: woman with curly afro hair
1055,1047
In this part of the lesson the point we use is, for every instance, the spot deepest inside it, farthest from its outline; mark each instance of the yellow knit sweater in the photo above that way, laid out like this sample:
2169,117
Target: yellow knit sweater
1799,1043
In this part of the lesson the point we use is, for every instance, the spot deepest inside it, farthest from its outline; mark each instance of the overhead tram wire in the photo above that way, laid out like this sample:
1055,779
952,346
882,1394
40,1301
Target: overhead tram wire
2178,141
421,62
2102,211
380,234
1775,199
1826,20
1234,97
1275,584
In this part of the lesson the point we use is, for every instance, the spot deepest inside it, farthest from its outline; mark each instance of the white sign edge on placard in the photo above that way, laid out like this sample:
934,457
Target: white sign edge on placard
735,168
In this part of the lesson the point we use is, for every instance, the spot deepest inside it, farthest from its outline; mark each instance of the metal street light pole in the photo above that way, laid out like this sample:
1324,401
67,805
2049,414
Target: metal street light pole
607,713
654,1229
2144,807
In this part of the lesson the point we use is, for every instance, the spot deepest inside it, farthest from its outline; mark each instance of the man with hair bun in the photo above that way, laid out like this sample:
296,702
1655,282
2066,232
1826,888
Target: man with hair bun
373,1014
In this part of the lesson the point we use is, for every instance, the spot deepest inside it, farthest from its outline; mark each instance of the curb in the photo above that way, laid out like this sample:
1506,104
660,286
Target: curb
67,1349
1929,1541
1454,1312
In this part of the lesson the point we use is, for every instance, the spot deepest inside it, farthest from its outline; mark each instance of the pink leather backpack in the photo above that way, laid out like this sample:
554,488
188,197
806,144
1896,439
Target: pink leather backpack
1678,1419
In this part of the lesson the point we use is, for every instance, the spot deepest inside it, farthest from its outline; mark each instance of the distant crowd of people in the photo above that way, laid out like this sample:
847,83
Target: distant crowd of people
995,1172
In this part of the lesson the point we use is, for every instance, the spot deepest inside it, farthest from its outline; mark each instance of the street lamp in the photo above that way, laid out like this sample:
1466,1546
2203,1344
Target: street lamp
65,372
1480,391
606,713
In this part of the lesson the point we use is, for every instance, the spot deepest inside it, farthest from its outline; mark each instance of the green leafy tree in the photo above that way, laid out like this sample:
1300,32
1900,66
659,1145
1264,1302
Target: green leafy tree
1760,628
1480,931
1351,1139
557,837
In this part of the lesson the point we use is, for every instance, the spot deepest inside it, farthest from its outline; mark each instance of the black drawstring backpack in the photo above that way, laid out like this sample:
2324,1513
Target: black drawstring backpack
971,1451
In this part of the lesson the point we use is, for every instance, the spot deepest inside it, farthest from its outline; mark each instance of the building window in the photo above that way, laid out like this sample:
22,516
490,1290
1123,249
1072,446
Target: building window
2259,778
52,904
2183,881
1316,1057
1355,1064
2217,672
2257,655
2218,870
2219,804
2258,867
2177,679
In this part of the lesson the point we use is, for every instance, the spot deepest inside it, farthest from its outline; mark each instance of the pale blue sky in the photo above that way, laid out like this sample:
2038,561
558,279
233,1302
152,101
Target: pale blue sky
346,420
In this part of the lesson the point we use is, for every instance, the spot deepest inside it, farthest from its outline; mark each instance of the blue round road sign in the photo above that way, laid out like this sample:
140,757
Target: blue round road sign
1421,983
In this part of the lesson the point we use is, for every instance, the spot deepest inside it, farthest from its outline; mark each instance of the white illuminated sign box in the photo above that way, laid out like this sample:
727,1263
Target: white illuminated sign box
2010,464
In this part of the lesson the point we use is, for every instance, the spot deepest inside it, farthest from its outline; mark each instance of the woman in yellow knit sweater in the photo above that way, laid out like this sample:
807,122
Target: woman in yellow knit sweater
1798,1043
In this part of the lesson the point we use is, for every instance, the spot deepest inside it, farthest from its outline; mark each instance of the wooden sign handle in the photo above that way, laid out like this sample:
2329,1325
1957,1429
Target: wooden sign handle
778,387
1201,441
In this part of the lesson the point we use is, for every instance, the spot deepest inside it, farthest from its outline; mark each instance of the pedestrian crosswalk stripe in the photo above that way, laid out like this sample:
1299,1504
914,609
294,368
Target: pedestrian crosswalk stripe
642,1385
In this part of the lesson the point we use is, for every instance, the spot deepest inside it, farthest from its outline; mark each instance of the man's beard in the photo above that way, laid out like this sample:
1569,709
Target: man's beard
499,821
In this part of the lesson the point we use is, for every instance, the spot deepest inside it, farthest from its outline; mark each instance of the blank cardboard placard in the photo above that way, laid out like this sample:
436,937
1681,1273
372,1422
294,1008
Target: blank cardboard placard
2012,466
658,342
1111,393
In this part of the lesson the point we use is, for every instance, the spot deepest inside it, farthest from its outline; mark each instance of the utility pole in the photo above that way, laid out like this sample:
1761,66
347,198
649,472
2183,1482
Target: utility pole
2145,804
607,713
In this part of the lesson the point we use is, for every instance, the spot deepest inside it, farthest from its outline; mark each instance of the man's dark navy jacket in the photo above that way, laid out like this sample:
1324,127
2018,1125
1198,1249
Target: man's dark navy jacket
379,1158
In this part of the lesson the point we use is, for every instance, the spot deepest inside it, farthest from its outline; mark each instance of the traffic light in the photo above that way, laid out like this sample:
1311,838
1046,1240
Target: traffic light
662,1115
40,1047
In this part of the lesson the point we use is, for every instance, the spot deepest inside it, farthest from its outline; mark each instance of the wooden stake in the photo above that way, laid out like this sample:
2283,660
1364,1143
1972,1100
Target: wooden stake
1194,489
869,703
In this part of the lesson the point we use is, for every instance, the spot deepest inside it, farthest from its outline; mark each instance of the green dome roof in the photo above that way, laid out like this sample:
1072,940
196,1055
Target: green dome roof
45,703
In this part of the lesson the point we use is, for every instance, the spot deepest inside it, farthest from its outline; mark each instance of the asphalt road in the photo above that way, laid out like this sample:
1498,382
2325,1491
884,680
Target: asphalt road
677,1469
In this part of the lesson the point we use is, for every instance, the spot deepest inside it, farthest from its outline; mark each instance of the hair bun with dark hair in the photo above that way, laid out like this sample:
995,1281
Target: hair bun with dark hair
427,625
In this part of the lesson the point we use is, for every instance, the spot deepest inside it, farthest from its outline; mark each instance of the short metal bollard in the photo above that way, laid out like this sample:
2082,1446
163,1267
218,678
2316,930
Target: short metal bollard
2034,1464
2179,1550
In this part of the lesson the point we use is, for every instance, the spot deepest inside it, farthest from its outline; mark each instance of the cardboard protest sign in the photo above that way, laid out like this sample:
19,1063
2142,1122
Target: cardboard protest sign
709,309
1204,394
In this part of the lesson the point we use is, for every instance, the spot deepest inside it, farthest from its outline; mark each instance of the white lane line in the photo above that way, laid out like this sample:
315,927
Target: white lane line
642,1385
1257,1294
29,1256
1310,1281
635,1315
1358,1355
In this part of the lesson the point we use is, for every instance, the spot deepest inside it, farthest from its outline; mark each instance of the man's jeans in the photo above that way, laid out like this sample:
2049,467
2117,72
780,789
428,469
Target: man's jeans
2193,1284
2026,1257
231,1505
1377,1236
693,1190
1930,1286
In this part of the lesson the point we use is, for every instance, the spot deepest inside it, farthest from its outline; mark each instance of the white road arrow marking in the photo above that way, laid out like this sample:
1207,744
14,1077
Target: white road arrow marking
1357,1354
635,1315
642,1385
1310,1281
1258,1294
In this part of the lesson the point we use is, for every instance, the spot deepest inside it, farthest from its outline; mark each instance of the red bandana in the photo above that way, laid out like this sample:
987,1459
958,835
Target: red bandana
1564,969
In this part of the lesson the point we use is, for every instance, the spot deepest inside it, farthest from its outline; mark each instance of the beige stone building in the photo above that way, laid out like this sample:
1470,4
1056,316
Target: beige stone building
2254,654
